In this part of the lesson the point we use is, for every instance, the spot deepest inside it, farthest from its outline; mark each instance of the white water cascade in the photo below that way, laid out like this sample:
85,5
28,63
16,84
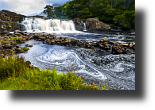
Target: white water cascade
84,29
84,26
38,24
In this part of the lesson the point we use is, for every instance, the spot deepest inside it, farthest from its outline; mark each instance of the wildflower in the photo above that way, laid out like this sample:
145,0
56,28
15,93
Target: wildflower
105,87
93,83
73,82
79,77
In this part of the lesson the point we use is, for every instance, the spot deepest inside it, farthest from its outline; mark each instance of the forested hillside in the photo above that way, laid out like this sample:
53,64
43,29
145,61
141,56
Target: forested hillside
118,12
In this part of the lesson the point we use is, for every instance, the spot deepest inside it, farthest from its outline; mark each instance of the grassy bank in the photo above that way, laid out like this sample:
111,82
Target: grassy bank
15,74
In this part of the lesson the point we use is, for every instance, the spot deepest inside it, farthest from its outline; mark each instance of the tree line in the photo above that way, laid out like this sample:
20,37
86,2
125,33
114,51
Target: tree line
118,12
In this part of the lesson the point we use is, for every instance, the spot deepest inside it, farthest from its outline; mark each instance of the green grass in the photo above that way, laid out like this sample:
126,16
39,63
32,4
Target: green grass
18,39
5,42
16,75
24,49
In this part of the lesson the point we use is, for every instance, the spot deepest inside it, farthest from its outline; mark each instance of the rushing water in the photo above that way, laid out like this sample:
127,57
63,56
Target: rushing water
116,71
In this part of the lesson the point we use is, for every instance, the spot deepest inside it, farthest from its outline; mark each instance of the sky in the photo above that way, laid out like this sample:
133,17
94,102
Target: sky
27,7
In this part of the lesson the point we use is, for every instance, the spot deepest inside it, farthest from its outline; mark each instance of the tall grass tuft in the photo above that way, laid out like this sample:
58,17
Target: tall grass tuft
11,66
16,75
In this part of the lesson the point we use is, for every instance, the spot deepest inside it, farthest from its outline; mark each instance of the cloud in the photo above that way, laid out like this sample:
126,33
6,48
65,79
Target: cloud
26,7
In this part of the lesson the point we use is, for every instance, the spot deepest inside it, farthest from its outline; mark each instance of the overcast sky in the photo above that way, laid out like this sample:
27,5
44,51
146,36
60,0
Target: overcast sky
27,7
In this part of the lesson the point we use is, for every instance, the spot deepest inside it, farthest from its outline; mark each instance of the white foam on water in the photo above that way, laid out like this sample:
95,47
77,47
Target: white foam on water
49,25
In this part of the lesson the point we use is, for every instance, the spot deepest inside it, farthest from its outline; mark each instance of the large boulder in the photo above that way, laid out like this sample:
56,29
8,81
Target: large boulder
91,24
8,21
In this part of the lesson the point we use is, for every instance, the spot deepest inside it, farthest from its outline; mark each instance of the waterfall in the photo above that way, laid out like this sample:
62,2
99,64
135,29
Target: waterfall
38,24
84,28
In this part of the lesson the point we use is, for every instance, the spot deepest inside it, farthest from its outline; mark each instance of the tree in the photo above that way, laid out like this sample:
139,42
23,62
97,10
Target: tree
48,10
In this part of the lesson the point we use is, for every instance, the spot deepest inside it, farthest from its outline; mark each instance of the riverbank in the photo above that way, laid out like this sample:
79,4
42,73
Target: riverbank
15,74
21,37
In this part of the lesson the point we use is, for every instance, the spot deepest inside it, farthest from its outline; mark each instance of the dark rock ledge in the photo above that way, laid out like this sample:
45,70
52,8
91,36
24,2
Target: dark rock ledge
9,43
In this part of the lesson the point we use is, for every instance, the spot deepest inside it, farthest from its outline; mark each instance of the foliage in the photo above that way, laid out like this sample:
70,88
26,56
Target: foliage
18,39
48,10
16,75
11,67
24,49
9,25
118,12
5,42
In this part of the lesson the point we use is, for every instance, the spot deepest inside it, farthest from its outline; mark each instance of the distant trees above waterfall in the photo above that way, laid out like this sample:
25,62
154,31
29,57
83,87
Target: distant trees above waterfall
118,12
49,11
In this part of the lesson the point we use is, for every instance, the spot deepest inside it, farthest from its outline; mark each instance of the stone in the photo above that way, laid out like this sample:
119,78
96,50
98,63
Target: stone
74,42
52,42
104,40
27,63
1,47
31,66
27,45
132,46
117,49
5,32
7,46
18,32
124,44
17,51
17,46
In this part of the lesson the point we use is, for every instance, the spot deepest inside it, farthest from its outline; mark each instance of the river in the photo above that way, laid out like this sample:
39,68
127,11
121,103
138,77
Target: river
116,71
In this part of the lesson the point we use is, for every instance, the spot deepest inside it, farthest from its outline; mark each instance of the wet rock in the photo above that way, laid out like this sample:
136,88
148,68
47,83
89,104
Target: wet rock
41,38
23,39
1,47
17,51
74,42
27,45
53,37
17,46
58,40
37,35
117,49
104,40
66,41
28,63
7,46
44,42
133,45
88,44
48,40
5,32
18,32
52,42
125,44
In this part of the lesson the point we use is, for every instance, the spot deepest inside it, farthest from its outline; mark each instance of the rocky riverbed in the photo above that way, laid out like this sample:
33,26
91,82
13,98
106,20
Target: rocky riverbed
115,67
9,42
